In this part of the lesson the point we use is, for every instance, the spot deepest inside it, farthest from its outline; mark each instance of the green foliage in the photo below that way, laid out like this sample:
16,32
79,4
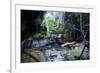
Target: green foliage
61,28
51,20
74,52
52,26
53,29
49,23
40,35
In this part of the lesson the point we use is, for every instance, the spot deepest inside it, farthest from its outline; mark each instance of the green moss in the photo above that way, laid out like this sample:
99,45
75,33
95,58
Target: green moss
40,35
74,52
